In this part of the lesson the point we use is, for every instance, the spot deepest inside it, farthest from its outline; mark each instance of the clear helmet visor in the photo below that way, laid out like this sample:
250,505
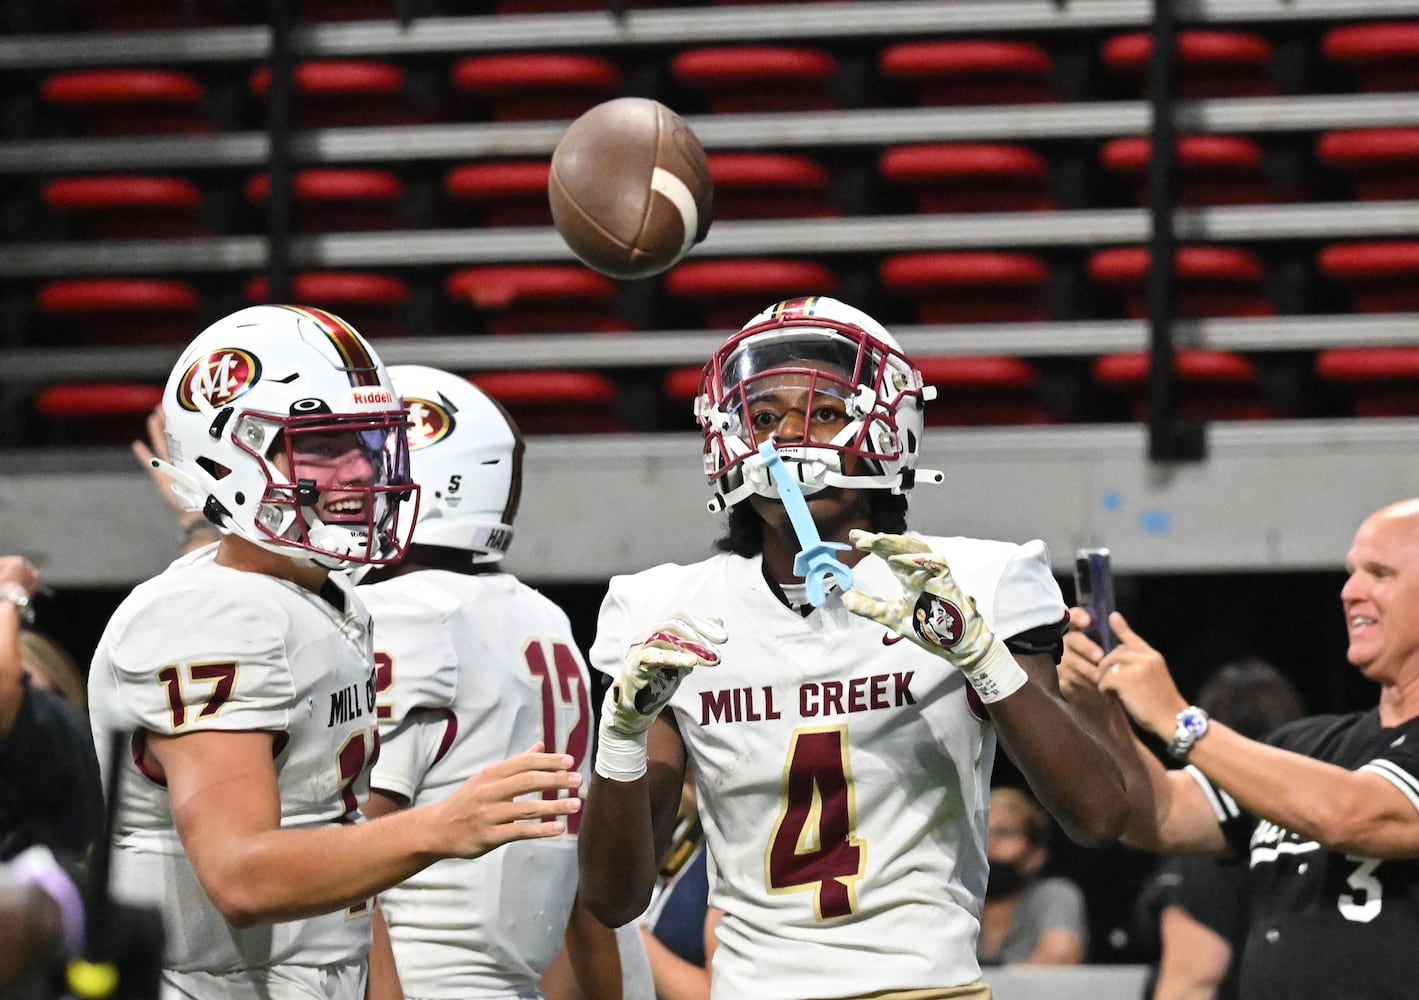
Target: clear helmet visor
791,348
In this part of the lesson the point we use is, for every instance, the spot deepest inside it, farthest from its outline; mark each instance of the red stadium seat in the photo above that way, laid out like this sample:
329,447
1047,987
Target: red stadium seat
1210,63
677,392
747,78
1212,385
971,71
729,292
770,186
537,85
372,303
970,177
539,298
1380,381
504,192
336,93
555,401
1380,163
1212,169
121,310
1383,57
337,199
969,286
1380,276
1211,281
977,390
130,101
98,413
128,206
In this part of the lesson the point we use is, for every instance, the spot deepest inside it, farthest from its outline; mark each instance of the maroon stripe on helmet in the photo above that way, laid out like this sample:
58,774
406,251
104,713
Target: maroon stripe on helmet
359,365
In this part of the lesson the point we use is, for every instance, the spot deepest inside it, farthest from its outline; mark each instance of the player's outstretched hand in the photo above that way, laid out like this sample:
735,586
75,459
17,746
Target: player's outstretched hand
935,613
656,665
1138,674
157,446
653,669
507,802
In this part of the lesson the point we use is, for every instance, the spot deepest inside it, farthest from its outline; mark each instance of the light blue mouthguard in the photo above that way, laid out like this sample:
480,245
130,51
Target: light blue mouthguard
815,561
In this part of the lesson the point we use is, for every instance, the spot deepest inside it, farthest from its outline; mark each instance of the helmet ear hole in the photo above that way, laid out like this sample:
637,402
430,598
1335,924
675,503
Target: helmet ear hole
214,469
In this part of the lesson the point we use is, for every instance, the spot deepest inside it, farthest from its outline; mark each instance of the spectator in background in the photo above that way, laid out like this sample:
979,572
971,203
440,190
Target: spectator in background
1027,920
49,775
1325,811
1194,907
51,668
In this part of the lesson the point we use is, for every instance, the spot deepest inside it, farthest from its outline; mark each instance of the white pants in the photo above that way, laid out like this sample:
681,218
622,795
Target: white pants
345,981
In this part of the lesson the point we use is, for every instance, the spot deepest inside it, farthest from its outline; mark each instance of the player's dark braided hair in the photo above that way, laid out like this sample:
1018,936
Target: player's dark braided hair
745,535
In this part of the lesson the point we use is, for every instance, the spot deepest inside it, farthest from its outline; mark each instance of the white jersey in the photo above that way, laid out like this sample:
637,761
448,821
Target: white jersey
472,670
204,647
843,775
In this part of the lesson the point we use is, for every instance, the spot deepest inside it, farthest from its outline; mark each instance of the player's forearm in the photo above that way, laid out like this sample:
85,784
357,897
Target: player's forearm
1145,780
616,847
1065,765
287,874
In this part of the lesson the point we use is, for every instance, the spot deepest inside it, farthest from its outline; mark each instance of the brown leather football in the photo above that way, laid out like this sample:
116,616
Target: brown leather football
630,189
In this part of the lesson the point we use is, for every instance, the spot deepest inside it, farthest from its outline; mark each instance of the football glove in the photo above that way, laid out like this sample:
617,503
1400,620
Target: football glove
653,669
936,614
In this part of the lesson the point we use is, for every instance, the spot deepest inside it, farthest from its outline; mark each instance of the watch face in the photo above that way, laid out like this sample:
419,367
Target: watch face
1195,723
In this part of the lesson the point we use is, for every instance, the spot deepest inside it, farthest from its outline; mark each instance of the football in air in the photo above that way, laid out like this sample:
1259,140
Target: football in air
630,188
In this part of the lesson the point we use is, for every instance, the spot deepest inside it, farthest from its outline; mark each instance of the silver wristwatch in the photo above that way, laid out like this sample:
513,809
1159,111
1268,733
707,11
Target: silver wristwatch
17,596
1192,726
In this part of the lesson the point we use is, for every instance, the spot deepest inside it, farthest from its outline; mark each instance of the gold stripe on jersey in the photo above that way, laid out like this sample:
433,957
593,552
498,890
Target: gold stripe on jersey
976,991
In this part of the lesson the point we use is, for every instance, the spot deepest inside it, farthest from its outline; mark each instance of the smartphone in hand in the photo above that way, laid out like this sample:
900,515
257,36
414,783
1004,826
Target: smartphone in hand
1094,592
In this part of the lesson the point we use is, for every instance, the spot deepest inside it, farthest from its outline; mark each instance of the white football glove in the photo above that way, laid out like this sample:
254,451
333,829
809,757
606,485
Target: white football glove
653,669
936,614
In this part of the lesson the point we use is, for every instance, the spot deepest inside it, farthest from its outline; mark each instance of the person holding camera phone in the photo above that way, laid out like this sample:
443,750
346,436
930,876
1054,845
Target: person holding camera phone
1324,811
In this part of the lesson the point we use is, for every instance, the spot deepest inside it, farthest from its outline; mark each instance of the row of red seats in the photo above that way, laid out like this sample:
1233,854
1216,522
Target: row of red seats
144,15
531,85
974,391
942,287
937,177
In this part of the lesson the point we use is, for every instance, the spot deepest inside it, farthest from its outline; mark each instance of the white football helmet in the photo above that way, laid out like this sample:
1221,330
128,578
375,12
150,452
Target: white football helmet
283,427
465,452
841,352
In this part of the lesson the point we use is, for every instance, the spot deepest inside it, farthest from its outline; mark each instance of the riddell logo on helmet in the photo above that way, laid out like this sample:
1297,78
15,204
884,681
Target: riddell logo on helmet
219,377
371,397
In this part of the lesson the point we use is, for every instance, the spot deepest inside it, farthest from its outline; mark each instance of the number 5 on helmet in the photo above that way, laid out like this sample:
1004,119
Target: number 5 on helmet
653,669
